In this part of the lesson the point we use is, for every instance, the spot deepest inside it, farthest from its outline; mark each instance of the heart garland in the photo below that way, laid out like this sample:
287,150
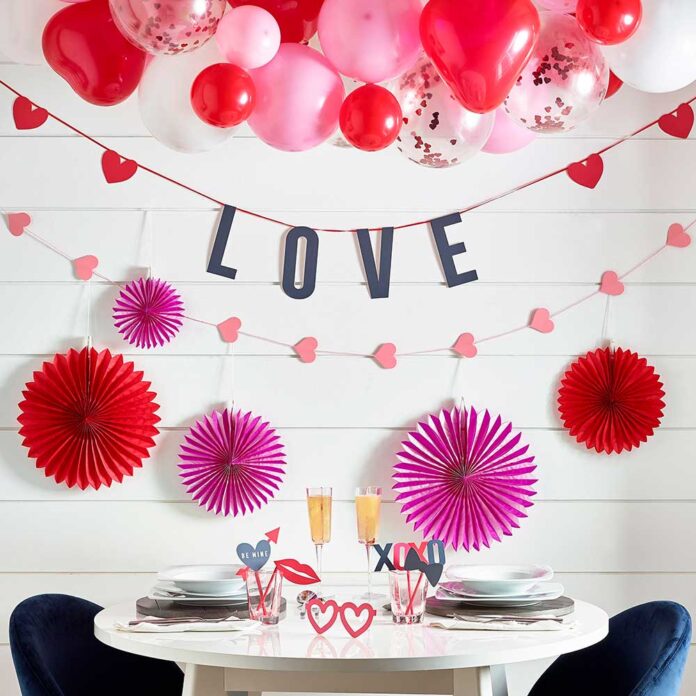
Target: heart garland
316,607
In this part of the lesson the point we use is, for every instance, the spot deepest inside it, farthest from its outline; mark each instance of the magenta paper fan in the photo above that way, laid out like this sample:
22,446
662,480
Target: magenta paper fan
464,478
148,312
232,462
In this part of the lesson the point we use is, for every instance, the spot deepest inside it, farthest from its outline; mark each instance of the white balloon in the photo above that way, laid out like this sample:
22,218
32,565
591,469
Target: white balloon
21,27
661,55
164,96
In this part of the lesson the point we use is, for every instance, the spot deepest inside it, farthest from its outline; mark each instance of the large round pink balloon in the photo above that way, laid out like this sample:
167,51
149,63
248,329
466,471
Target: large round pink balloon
506,135
370,40
248,36
298,99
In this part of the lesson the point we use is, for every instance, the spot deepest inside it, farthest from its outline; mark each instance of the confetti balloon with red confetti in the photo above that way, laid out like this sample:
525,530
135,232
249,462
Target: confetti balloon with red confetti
611,400
564,81
437,130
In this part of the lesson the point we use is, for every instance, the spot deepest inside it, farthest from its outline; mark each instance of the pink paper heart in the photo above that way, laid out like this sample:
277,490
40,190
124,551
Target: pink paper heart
229,329
306,349
85,266
611,285
465,346
541,321
361,624
385,356
588,172
677,236
17,222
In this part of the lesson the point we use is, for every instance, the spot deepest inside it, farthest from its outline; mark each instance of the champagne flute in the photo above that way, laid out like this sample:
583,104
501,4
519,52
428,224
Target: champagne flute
367,505
319,508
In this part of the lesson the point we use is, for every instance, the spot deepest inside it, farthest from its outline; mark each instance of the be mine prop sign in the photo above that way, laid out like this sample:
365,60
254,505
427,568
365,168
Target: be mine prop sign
378,274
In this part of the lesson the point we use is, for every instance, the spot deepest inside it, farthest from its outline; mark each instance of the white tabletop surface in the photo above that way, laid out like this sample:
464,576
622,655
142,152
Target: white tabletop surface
294,646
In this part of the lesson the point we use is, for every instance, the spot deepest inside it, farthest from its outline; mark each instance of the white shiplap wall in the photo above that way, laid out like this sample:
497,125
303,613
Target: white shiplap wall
618,530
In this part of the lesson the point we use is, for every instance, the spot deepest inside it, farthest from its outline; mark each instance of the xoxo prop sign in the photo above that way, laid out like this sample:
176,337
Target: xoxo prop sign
378,274
430,552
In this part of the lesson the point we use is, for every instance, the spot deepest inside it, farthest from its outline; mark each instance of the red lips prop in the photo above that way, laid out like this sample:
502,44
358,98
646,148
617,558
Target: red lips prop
82,44
479,46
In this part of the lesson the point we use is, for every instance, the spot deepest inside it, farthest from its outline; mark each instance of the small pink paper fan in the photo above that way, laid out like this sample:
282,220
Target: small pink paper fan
232,462
464,478
148,312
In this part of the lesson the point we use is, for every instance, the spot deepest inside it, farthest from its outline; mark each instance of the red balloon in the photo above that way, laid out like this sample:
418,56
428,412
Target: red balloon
297,19
82,44
223,95
609,21
615,84
479,46
370,118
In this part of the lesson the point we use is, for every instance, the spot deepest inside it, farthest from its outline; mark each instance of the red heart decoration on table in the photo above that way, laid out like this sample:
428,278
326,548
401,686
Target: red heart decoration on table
229,329
357,611
26,115
541,321
385,356
17,222
479,46
679,123
322,608
116,169
588,172
610,284
85,266
677,236
465,346
306,349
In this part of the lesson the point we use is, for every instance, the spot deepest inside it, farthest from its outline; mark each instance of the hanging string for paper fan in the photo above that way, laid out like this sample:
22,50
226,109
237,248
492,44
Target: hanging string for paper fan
148,312
232,462
611,400
464,478
88,418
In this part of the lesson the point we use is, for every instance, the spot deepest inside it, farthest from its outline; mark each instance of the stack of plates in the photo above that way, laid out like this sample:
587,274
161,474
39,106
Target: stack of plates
202,585
499,586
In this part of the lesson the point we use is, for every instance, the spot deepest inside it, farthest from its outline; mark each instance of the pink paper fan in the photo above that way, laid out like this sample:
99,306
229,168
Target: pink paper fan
232,462
148,312
464,478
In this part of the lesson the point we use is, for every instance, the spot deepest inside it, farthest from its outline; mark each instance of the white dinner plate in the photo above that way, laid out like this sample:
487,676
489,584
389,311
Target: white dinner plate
499,579
506,601
543,590
204,579
174,590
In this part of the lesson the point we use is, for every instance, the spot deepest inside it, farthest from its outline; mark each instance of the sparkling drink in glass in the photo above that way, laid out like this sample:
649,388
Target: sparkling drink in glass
319,508
367,507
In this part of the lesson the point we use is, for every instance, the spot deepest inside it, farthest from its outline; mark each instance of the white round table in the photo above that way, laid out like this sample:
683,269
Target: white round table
387,659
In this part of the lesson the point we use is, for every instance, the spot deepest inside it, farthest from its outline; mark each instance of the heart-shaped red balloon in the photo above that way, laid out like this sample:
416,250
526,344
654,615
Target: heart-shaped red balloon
479,46
82,44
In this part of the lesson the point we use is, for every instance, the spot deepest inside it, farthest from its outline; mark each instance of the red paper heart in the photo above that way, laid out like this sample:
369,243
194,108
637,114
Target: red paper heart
465,346
679,123
541,321
17,222
357,611
229,329
587,173
117,169
322,607
84,266
611,285
26,115
306,349
385,356
677,236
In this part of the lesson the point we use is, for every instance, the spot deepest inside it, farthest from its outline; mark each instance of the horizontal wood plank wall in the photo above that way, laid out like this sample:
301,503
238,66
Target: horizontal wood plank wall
617,529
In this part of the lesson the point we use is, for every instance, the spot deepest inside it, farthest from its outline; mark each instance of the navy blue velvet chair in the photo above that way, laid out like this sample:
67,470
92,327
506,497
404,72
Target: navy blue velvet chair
643,655
55,653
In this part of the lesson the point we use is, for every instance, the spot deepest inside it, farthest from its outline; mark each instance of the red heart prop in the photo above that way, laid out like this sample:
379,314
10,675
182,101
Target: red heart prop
322,608
587,173
357,611
479,46
26,115
679,123
17,223
83,45
117,169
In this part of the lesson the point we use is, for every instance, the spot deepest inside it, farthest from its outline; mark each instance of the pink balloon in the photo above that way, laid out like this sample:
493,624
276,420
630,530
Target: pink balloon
370,40
565,6
298,99
248,36
506,135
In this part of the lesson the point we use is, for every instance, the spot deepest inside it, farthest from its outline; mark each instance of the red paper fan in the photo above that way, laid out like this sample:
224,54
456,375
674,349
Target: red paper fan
88,418
611,400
